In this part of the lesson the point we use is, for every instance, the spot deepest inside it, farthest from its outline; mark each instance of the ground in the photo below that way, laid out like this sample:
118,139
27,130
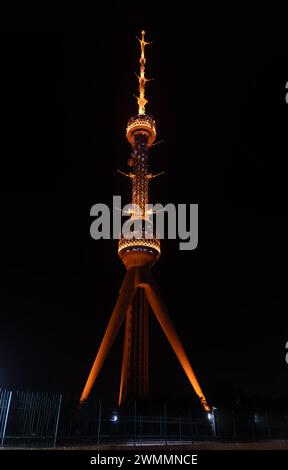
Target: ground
197,446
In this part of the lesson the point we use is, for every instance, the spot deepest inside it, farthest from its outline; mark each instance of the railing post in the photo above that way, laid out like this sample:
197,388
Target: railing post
135,422
180,430
191,424
6,419
165,424
213,422
99,422
57,420
234,425
268,424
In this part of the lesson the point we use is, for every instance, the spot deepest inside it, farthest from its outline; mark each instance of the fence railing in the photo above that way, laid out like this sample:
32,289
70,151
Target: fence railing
29,419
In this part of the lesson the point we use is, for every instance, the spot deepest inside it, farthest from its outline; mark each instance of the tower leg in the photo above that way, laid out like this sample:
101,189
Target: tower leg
134,377
125,366
125,298
161,313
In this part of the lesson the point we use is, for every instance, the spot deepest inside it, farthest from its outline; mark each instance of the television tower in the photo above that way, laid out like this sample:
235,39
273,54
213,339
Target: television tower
138,289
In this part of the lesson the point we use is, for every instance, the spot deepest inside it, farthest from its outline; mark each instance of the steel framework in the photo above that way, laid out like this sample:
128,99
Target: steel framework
139,250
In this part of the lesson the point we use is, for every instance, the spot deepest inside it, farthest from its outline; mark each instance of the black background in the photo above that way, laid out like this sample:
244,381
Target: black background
218,97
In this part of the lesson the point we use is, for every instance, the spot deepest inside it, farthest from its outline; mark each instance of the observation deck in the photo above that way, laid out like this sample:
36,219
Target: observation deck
144,124
137,252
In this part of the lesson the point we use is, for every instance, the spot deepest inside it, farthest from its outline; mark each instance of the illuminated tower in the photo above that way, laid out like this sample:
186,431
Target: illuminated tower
139,253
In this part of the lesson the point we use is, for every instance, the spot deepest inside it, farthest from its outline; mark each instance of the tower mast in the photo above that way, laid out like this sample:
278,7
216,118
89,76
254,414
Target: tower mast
141,100
141,133
139,253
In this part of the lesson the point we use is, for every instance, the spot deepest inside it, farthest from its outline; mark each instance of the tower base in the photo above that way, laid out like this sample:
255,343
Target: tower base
134,377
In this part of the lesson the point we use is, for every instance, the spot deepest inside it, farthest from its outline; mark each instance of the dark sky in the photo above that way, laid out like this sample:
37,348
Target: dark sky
218,97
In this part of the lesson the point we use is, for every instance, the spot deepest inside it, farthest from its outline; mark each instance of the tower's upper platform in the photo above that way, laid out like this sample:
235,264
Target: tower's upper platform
141,124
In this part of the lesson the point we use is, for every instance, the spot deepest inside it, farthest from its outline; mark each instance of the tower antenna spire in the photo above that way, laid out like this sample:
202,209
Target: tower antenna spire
141,100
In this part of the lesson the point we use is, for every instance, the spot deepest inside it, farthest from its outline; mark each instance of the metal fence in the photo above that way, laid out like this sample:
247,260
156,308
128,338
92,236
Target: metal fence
29,419
95,424
43,420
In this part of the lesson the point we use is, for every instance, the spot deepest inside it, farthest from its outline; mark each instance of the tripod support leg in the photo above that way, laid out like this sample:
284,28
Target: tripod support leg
159,308
125,298
124,371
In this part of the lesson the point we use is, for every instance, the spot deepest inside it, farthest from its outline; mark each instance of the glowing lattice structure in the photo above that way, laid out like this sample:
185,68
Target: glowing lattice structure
139,252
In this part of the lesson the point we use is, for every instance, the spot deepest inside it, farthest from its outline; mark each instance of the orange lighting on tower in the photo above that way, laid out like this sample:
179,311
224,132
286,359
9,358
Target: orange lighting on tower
138,289
142,79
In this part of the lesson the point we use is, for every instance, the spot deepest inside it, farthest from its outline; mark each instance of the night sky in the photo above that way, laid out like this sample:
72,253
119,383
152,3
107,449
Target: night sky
218,97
